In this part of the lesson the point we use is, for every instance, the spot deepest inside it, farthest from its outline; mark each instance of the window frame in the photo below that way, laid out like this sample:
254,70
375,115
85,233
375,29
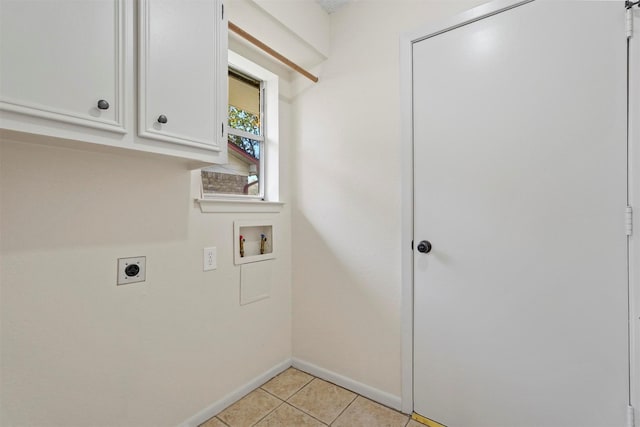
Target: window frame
269,155
261,138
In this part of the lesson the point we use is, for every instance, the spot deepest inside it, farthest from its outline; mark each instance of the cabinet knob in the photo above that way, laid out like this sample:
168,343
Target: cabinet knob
103,105
162,119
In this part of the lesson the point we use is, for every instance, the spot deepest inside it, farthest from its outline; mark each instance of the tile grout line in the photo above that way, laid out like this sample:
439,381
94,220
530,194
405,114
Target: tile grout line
244,397
296,391
343,411
303,411
307,414
282,401
357,394
293,394
271,394
269,413
300,409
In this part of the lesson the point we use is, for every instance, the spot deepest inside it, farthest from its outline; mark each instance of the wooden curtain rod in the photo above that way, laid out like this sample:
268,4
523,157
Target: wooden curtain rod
242,33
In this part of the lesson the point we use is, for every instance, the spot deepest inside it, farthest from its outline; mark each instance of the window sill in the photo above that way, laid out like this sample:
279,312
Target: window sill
238,206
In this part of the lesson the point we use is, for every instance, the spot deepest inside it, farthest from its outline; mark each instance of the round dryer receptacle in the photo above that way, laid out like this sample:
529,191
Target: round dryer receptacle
132,270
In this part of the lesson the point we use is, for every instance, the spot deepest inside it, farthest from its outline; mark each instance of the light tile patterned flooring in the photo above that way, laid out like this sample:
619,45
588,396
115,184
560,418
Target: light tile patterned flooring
297,399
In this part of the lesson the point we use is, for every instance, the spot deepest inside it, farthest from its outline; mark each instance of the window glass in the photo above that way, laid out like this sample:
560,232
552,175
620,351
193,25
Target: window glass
242,174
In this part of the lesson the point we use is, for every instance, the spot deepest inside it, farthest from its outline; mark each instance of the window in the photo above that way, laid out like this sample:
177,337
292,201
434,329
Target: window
253,145
243,174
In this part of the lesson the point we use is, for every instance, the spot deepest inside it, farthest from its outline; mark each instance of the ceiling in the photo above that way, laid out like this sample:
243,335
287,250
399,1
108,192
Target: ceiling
331,6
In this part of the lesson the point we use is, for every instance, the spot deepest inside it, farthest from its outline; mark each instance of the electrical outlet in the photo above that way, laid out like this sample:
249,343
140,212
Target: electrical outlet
210,261
132,270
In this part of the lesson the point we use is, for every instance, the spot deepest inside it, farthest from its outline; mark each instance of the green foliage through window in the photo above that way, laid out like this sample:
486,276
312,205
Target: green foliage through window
248,122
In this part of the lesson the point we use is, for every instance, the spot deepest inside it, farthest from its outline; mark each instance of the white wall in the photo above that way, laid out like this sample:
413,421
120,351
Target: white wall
303,17
276,26
346,214
77,350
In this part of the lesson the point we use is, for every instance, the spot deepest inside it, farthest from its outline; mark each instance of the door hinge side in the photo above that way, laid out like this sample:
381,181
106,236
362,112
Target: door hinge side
628,4
630,417
628,220
223,11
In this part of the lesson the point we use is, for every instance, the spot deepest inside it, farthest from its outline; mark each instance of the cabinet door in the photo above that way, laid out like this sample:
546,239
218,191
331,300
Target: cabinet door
61,58
182,72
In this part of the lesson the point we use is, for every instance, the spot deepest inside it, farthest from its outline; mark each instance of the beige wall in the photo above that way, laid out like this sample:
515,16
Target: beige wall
346,215
77,350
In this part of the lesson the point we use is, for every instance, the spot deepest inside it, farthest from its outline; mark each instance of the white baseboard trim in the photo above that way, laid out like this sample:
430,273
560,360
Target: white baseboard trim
374,394
234,396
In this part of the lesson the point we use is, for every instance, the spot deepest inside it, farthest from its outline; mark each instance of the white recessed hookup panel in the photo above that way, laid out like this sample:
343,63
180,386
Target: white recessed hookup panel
253,241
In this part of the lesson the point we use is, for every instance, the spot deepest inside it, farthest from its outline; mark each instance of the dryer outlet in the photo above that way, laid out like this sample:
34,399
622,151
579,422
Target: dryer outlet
132,270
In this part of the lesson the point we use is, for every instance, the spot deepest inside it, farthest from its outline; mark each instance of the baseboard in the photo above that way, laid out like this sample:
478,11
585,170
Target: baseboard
234,396
374,394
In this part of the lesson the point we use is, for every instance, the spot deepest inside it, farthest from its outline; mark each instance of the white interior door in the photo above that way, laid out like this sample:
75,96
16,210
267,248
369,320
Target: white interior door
520,308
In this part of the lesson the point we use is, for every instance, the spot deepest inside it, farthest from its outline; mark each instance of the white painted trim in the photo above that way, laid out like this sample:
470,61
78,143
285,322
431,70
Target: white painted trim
406,254
234,396
121,64
634,198
238,206
215,408
270,160
61,116
374,394
245,134
464,18
222,66
406,100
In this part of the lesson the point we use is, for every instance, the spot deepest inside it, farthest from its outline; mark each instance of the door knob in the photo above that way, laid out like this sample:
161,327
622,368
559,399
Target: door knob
103,105
162,119
424,247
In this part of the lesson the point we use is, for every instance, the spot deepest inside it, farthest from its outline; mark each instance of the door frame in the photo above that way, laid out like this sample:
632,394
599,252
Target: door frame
407,194
633,186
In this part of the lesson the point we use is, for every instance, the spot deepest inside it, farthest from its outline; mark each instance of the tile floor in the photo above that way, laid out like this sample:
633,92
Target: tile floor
297,399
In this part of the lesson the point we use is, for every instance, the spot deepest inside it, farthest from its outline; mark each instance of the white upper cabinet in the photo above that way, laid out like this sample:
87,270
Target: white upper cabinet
108,72
182,74
63,60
